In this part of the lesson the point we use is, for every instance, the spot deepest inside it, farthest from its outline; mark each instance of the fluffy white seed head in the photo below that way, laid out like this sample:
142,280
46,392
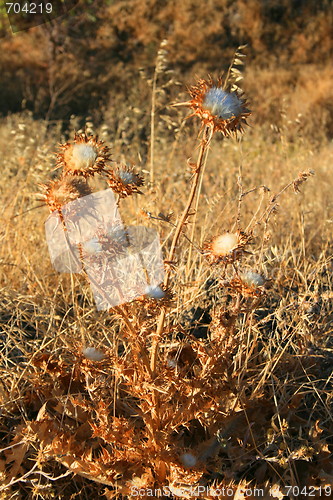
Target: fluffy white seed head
223,244
188,460
222,104
128,177
92,246
93,354
83,156
155,292
253,279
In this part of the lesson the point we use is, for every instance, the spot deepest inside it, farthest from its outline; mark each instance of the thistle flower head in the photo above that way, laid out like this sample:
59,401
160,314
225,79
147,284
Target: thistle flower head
129,177
222,104
61,191
253,279
155,292
93,354
227,247
222,245
248,284
155,298
222,111
85,156
124,180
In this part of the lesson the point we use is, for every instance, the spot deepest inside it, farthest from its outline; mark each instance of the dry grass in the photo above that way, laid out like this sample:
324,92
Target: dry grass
242,394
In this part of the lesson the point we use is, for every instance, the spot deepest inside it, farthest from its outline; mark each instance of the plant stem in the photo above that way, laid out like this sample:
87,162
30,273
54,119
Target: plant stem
152,126
197,200
205,141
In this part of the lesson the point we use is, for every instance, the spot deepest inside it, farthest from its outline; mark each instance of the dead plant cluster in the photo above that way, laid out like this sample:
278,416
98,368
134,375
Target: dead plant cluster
218,380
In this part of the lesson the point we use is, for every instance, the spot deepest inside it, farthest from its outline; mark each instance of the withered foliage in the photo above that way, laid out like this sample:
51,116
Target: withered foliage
115,423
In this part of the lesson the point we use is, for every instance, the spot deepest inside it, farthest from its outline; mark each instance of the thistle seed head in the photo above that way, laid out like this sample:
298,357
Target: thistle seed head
93,354
221,104
64,190
155,292
227,247
223,111
124,180
253,279
222,245
85,156
188,460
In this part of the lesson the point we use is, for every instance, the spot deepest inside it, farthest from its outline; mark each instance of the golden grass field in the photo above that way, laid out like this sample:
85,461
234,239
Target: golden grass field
241,393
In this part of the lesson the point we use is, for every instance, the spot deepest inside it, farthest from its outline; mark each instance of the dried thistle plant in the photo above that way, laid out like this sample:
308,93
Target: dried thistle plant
160,407
218,111
124,180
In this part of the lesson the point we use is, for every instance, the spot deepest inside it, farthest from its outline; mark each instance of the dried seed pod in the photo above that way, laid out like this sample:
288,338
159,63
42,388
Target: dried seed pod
227,247
222,111
248,284
61,191
85,156
124,180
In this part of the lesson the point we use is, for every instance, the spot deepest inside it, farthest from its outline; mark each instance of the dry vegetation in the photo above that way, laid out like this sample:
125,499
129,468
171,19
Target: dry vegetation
240,393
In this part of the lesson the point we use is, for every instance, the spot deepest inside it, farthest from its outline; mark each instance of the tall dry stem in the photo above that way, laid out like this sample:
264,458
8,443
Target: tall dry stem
152,127
204,146
159,68
197,206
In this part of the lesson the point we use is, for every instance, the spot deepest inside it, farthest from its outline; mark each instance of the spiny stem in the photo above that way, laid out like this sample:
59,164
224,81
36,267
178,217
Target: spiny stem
207,136
198,198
